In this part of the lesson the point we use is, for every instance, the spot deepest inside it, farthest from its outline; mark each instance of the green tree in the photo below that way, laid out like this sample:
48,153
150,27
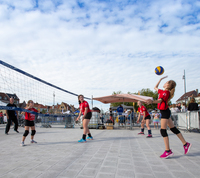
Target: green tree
148,92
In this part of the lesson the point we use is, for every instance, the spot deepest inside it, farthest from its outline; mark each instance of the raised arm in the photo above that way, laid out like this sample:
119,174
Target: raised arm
156,87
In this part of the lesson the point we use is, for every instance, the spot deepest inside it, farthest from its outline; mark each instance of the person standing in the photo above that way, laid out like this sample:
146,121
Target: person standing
29,122
1,117
87,114
111,115
11,116
183,108
146,119
164,97
193,106
120,110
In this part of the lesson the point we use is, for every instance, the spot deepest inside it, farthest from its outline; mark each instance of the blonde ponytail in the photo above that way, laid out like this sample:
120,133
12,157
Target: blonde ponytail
171,95
172,85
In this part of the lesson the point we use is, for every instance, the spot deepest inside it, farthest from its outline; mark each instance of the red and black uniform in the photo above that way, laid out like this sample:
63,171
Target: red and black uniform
82,108
141,110
29,118
163,106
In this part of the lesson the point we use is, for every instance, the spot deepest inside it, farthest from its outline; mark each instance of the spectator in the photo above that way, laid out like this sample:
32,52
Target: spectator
174,109
11,116
156,119
4,118
111,116
193,106
179,106
183,108
120,111
1,117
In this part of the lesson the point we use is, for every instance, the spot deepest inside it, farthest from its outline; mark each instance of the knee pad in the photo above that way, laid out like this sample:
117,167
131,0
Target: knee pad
175,130
33,132
164,132
26,133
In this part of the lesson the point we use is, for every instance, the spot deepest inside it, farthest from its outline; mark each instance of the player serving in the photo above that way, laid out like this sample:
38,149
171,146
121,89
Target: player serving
164,97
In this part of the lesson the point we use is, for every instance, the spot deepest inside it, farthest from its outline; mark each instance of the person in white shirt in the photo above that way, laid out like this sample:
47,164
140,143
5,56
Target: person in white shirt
183,108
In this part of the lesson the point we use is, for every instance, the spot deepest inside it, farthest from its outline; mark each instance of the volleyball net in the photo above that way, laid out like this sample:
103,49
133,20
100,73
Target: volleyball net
28,87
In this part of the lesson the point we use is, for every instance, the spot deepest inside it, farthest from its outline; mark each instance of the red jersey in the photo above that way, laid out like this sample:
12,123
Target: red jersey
164,95
29,116
83,106
142,110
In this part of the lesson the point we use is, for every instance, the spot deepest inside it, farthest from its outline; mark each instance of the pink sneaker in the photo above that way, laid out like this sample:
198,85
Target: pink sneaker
187,148
166,154
149,136
141,133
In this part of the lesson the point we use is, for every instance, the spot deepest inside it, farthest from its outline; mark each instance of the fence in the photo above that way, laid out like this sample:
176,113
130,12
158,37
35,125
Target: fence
187,120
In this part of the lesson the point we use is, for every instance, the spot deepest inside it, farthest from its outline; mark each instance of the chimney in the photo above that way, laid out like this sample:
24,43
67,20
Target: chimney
197,91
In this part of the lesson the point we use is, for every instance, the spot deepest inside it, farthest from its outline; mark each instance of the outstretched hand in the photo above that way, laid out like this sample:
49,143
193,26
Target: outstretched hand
149,101
163,77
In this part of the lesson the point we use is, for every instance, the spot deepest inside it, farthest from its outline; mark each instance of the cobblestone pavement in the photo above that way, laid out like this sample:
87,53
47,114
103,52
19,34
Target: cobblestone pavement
112,153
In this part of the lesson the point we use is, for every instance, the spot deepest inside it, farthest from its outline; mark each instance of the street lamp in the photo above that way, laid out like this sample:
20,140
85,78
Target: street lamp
184,78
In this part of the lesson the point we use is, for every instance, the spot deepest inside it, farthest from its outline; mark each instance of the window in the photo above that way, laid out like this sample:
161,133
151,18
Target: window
5,98
0,97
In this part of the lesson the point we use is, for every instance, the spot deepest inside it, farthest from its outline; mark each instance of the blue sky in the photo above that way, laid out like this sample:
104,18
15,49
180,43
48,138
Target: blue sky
97,47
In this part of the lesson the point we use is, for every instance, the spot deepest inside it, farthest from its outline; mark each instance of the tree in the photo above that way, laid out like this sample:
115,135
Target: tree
148,92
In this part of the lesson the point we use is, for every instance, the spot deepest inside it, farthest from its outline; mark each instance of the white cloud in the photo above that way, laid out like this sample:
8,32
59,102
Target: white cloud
103,47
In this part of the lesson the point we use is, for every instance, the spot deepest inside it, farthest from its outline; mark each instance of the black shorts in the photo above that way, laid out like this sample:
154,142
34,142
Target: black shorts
29,123
148,117
88,115
165,114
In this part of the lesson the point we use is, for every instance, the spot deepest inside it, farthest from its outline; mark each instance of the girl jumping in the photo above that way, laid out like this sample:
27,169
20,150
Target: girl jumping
85,110
29,122
146,119
163,99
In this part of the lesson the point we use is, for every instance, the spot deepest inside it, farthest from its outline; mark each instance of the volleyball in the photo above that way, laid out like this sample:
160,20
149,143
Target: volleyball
159,70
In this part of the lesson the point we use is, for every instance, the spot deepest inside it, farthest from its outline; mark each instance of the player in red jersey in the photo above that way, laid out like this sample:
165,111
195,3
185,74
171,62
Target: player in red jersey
146,119
87,114
29,122
164,97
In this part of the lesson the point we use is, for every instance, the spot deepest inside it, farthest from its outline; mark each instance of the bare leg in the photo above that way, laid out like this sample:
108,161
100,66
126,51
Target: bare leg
32,128
164,123
180,136
147,124
26,128
142,124
85,126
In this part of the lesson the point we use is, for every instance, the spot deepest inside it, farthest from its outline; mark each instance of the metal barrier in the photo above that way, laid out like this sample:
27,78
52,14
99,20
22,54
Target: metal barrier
94,121
188,120
48,121
122,121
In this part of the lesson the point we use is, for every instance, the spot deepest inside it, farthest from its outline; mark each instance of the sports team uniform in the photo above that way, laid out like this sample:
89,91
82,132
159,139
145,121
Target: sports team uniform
166,114
29,118
82,108
142,110
163,106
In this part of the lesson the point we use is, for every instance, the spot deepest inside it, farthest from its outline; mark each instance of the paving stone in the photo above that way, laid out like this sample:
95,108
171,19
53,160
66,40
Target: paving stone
112,153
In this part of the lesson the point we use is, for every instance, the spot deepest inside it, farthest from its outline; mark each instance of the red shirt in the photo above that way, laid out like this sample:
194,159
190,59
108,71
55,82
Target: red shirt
142,110
83,106
29,116
164,95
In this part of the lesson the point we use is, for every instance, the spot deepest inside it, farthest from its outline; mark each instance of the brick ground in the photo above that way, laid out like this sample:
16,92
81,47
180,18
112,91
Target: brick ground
112,153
